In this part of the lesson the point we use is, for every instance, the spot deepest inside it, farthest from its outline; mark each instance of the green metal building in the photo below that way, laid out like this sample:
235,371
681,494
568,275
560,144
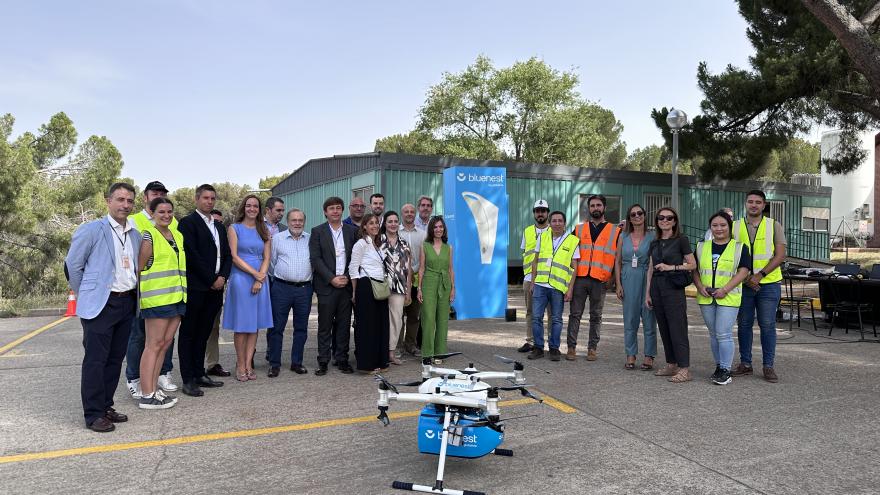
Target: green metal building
802,209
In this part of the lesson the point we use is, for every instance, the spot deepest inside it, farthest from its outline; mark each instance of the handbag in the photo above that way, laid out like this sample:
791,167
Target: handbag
680,279
381,288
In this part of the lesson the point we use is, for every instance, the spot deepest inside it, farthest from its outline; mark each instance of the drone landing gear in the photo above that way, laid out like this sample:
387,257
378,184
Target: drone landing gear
438,485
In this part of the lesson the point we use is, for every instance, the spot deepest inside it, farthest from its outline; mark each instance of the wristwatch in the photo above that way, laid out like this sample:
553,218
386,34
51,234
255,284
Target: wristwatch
763,273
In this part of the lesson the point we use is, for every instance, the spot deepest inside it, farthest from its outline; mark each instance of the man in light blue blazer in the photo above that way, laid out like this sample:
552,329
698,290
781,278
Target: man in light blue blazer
102,270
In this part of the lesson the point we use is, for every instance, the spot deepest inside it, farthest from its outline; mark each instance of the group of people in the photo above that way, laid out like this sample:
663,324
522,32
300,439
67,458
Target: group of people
735,270
141,278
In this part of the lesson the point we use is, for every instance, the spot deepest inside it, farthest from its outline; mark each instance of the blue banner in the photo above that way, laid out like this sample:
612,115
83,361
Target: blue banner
475,210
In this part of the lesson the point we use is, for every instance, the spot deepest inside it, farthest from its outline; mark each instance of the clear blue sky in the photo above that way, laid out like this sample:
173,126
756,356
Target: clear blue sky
203,91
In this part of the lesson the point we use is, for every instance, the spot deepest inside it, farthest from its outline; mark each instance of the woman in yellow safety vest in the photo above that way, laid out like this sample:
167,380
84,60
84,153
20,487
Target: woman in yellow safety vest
162,297
722,265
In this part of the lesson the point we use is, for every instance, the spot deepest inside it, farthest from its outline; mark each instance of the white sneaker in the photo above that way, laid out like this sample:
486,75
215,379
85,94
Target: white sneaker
166,384
134,388
162,395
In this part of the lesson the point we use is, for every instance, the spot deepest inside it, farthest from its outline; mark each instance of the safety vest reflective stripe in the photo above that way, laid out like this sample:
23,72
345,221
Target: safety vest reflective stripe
762,249
596,258
531,237
166,273
726,267
158,292
164,282
554,267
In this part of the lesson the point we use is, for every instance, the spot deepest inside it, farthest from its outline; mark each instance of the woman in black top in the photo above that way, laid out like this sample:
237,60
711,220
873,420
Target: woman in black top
671,261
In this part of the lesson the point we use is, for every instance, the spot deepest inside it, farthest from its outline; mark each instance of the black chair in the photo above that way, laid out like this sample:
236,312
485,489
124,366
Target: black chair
875,272
795,303
848,297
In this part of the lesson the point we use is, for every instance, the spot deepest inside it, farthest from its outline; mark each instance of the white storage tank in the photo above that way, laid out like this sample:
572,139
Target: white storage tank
852,195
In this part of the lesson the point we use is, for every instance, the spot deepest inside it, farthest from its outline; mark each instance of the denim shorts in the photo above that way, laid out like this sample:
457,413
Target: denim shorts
167,311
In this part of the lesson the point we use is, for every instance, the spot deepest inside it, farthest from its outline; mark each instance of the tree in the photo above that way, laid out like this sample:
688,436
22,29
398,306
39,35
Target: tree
526,112
816,62
797,157
229,196
49,187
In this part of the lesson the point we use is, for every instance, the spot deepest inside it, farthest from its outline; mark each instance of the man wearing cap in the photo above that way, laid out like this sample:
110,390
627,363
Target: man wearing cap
142,220
530,245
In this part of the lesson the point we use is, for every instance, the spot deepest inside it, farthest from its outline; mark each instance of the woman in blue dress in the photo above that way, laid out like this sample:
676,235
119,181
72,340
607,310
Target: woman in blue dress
632,270
248,306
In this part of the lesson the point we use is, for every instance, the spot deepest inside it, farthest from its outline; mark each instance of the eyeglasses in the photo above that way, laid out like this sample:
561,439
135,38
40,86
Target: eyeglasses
358,206
637,214
667,218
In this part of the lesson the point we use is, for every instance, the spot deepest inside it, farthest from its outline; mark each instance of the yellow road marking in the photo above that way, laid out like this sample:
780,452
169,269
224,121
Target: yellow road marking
32,334
227,435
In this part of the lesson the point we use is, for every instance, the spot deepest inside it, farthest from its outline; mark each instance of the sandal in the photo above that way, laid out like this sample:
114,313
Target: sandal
242,377
647,365
251,375
630,365
668,370
682,376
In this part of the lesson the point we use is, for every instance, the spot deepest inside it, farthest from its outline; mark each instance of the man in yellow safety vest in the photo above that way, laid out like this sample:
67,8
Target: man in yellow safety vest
553,283
763,289
529,246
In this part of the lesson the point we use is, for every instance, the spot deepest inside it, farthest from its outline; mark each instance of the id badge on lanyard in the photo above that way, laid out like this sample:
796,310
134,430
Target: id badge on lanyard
635,261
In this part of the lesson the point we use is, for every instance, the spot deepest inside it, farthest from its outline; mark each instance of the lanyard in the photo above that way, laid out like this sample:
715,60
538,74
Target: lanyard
122,239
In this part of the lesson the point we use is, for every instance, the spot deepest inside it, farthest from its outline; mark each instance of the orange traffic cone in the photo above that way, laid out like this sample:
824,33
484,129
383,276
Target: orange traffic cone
71,305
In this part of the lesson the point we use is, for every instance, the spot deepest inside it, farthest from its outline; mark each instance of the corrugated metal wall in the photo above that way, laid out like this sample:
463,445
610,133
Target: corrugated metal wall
405,186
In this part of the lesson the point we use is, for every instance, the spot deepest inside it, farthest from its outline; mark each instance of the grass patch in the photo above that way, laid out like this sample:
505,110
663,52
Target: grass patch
21,305
865,259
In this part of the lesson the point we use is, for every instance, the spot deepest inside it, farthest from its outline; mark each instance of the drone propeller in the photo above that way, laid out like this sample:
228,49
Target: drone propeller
445,356
523,390
516,364
393,386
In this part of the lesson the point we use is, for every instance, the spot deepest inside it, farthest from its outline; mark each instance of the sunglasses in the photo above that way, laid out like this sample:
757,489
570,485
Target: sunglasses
637,214
667,218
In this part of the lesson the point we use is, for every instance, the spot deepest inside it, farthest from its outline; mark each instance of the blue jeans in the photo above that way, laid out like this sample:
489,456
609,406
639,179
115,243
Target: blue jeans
541,298
719,321
763,302
284,298
136,348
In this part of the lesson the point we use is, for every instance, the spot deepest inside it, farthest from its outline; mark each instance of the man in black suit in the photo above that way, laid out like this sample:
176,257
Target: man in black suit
208,263
330,252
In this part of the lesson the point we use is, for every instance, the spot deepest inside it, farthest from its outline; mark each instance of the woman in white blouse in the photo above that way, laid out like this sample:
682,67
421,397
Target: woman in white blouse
371,316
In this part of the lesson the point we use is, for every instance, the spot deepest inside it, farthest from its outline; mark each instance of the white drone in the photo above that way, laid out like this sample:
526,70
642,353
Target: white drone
461,416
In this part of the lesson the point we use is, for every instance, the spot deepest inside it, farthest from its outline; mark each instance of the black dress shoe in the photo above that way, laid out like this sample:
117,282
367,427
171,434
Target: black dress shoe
273,371
346,368
218,370
207,382
527,347
102,425
298,369
192,389
321,371
115,417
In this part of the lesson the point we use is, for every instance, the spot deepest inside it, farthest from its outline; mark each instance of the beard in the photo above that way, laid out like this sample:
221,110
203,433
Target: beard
597,214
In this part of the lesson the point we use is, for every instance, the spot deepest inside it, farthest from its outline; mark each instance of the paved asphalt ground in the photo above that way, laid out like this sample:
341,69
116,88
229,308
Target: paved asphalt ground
816,431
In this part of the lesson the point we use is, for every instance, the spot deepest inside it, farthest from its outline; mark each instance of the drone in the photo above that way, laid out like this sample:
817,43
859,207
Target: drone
461,417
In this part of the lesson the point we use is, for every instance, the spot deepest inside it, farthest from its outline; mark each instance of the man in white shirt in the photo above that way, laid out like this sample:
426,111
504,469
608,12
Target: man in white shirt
329,252
415,237
291,290
531,243
426,208
102,270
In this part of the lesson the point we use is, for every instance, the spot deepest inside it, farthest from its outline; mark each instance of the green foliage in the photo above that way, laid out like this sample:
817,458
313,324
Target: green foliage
526,112
229,197
801,75
270,181
49,187
797,157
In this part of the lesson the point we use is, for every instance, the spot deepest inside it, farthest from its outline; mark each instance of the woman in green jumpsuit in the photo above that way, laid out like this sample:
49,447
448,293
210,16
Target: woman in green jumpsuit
436,289
632,270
